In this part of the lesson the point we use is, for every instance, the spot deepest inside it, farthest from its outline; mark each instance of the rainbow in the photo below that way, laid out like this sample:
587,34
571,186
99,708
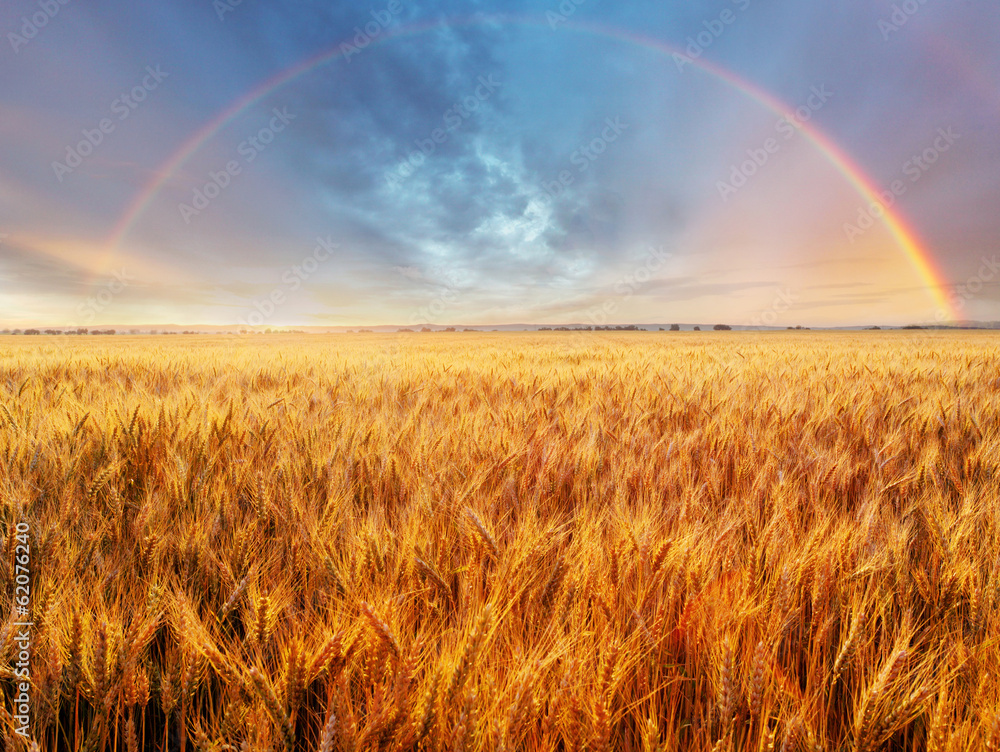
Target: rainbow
919,256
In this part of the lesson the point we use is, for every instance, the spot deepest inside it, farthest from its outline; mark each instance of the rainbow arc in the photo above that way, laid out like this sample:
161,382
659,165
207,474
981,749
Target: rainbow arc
919,256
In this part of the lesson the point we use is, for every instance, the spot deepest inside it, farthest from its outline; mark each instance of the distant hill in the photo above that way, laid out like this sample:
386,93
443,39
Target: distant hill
459,328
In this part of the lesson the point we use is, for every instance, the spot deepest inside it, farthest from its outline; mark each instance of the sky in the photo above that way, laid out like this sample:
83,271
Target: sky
259,163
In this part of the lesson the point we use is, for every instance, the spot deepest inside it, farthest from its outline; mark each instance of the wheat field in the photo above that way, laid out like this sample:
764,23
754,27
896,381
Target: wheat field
522,541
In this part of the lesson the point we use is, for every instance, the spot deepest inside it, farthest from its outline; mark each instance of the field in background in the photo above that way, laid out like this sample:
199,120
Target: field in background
505,542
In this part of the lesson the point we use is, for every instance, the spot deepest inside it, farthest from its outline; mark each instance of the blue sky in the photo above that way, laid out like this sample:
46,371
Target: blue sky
489,163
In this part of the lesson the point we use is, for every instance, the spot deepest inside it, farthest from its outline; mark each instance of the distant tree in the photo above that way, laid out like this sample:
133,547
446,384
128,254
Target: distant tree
16,331
134,331
470,330
31,331
426,329
675,327
697,328
52,331
82,330
722,328
404,330
450,329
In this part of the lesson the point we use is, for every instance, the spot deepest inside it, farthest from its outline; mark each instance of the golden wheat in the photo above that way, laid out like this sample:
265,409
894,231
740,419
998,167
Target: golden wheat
505,541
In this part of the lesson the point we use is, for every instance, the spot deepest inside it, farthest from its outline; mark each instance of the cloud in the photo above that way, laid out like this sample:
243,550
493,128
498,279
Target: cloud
476,212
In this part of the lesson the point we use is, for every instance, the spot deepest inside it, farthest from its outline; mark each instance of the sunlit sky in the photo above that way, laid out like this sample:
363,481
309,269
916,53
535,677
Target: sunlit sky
575,171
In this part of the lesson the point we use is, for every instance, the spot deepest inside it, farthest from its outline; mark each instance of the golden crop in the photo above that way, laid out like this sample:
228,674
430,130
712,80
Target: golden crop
505,541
